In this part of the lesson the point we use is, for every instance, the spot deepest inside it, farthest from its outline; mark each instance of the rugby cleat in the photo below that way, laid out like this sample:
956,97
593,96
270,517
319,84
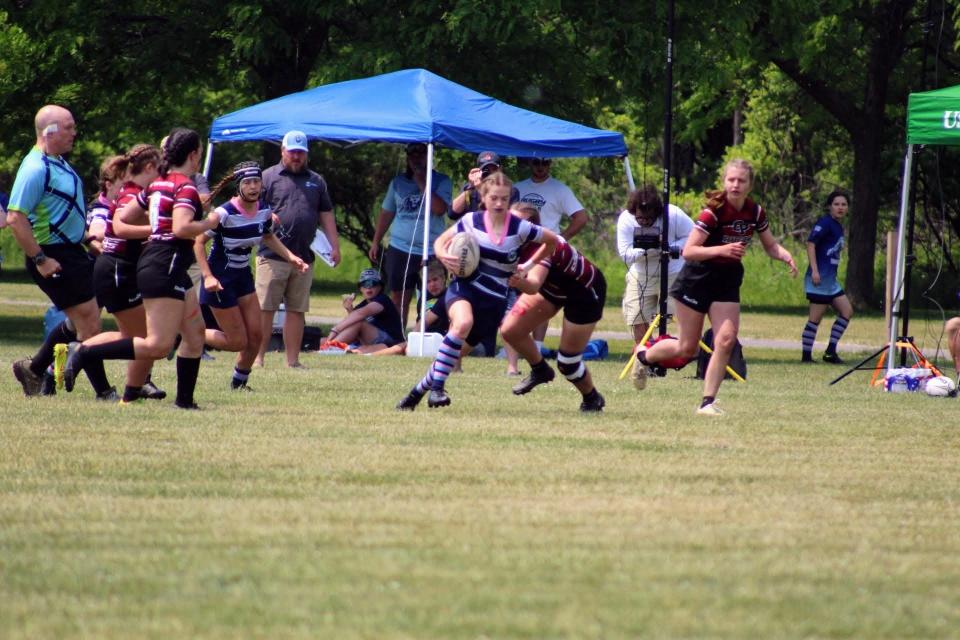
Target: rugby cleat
832,358
49,385
538,376
594,405
193,406
73,366
409,402
31,382
438,398
150,391
110,395
710,410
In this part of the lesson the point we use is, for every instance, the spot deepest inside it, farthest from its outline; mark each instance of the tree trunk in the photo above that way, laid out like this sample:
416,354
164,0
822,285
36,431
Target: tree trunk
862,234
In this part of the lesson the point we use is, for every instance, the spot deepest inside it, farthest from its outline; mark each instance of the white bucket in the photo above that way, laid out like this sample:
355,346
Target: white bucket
280,317
423,344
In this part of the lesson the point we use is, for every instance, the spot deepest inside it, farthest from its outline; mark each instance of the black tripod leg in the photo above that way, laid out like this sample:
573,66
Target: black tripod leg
857,366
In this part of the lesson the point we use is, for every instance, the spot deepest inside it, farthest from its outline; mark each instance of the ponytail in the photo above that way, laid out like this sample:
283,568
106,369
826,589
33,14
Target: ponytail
177,147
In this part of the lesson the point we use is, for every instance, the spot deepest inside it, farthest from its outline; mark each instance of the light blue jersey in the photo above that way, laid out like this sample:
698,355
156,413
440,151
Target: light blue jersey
405,200
49,193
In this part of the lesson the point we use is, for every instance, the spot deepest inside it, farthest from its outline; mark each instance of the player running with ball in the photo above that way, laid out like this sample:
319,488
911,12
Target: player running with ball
476,303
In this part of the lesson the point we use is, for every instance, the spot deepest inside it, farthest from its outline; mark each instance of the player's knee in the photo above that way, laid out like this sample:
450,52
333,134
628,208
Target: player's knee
724,341
571,366
236,342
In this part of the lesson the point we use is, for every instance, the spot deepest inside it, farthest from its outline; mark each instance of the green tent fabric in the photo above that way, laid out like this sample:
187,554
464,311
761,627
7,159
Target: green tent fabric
933,117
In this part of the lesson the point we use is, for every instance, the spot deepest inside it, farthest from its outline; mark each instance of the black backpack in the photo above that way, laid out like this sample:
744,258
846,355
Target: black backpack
737,362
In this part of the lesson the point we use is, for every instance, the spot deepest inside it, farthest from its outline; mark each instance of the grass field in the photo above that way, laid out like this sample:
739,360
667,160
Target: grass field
310,508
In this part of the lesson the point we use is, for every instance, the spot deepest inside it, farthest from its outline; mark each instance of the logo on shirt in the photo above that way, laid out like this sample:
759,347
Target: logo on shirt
535,199
411,202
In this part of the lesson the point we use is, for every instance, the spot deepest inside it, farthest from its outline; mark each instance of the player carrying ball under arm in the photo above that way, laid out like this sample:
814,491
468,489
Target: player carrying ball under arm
564,279
476,304
709,283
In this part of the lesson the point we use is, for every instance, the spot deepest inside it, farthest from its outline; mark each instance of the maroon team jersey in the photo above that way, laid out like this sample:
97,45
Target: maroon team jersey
728,226
161,197
568,270
121,247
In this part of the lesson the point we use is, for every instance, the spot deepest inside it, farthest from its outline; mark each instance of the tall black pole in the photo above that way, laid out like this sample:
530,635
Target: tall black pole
911,215
667,159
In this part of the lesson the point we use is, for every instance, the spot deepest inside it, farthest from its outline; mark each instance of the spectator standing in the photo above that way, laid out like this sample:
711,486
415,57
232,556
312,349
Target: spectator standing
47,217
638,242
300,199
402,212
552,198
4,201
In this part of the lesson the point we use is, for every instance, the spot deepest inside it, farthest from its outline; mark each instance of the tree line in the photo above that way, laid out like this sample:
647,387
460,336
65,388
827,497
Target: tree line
813,92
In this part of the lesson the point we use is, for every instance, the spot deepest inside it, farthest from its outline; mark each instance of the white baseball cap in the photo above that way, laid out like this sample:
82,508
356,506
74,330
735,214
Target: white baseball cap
295,141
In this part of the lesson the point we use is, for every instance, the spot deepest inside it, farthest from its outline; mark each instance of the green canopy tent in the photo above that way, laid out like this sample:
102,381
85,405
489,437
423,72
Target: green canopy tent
933,117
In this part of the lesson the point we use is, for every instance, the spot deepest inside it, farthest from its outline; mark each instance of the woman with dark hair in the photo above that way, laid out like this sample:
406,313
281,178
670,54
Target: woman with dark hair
115,273
564,280
172,206
709,283
823,289
228,287
476,303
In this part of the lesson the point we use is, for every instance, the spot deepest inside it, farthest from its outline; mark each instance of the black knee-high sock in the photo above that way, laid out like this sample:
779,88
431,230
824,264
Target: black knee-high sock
187,371
62,333
92,360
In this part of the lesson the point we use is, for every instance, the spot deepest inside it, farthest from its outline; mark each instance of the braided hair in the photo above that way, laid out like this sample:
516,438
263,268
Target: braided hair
240,172
177,147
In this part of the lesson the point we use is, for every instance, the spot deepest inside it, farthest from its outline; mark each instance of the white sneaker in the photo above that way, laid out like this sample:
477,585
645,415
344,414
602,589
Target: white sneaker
639,375
710,410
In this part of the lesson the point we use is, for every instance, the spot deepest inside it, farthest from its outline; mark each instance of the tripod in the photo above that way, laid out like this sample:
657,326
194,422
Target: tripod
907,346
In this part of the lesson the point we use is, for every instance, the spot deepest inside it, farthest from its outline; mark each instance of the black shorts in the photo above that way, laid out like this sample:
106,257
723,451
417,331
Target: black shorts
819,298
162,271
73,284
115,281
402,276
582,305
700,284
236,284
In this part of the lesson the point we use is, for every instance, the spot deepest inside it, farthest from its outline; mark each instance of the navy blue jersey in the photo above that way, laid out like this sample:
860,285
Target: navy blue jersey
235,236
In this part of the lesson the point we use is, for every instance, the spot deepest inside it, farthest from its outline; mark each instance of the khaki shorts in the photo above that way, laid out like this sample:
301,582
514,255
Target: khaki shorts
641,298
279,281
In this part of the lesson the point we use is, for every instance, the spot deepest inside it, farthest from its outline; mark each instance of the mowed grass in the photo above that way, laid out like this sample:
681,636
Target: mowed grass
310,508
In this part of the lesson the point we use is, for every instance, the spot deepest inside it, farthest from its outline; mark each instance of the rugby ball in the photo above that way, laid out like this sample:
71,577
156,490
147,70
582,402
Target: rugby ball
465,248
940,387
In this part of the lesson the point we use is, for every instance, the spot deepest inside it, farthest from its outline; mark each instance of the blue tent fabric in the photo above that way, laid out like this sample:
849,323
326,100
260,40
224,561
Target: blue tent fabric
415,105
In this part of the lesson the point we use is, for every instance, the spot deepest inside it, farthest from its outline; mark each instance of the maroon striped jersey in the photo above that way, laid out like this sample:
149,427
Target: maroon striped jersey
728,226
568,270
161,197
121,247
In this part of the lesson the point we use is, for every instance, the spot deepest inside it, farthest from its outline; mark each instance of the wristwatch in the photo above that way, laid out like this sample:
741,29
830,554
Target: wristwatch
39,258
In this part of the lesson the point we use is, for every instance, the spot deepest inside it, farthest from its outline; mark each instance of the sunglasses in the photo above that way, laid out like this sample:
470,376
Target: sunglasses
369,284
537,162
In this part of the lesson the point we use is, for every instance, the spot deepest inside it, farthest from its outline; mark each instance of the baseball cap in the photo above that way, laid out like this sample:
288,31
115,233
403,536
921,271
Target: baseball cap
370,275
487,157
295,141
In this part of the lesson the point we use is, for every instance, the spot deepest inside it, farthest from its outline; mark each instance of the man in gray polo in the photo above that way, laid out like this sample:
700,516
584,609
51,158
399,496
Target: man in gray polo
299,198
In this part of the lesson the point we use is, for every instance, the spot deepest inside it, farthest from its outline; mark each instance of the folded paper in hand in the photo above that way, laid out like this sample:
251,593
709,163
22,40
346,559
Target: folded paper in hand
321,247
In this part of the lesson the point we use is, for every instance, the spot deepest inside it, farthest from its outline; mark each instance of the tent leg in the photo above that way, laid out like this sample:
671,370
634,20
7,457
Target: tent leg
629,172
898,273
208,161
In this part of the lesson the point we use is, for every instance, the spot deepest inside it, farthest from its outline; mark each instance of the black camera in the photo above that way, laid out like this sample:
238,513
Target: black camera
642,241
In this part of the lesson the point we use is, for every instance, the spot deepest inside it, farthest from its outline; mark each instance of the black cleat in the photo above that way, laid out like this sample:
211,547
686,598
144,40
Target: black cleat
806,358
438,398
73,366
150,391
537,376
593,406
49,385
31,382
193,406
832,358
409,402
110,395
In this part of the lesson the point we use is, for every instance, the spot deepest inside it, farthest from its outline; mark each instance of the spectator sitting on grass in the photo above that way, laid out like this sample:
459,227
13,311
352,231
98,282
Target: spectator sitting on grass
372,325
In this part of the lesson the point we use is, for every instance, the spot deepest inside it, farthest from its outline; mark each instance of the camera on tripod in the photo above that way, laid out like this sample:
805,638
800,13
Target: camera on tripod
644,241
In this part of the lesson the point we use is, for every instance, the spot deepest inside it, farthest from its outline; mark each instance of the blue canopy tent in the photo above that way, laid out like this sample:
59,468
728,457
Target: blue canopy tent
415,105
